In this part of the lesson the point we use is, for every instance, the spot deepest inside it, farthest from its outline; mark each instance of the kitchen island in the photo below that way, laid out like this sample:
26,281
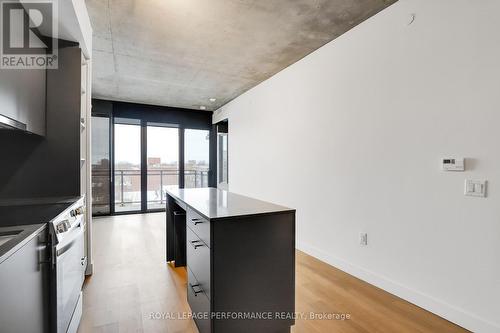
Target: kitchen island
240,258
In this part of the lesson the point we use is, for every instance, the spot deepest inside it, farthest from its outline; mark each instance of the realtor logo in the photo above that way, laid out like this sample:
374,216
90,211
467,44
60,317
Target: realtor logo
29,34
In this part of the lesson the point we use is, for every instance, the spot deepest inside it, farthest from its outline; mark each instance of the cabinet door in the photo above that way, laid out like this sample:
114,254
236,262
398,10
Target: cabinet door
64,121
22,97
198,260
24,289
199,303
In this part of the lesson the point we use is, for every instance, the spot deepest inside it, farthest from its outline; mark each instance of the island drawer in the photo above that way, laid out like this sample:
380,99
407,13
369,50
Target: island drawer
198,260
199,303
199,224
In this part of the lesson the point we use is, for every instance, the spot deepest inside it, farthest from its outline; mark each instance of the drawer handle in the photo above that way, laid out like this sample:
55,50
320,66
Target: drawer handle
196,221
196,244
196,292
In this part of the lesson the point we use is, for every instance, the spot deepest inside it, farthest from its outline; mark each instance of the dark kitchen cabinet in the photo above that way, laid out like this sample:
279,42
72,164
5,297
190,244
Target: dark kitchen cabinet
22,99
49,166
24,288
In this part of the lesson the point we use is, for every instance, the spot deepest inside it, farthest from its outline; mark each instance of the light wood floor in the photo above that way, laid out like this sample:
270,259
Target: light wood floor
131,281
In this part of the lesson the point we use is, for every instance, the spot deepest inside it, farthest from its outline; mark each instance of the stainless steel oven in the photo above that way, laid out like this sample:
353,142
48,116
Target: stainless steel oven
68,253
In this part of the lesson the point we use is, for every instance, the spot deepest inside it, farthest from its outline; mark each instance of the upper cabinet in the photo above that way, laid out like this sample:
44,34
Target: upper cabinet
23,91
22,100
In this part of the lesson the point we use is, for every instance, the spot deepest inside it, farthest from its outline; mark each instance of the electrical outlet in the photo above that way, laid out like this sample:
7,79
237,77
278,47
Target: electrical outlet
363,239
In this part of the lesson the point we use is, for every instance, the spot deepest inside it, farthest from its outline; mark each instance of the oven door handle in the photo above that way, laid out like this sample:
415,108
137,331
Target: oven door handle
78,233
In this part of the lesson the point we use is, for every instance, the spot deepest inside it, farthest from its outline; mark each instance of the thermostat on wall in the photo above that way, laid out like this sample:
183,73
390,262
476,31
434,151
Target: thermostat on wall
453,164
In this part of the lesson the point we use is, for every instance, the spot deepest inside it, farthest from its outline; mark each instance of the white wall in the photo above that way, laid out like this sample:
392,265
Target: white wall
352,135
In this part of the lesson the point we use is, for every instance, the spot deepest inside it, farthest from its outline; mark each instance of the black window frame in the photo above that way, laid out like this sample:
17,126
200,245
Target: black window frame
157,115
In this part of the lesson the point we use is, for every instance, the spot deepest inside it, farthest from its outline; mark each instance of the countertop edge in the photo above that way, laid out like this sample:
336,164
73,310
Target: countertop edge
28,233
284,210
288,211
38,201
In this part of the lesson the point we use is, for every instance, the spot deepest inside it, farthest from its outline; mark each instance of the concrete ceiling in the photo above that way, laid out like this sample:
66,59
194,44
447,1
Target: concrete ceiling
181,53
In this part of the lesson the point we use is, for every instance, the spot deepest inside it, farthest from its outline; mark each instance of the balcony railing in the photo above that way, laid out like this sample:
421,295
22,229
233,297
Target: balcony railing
128,186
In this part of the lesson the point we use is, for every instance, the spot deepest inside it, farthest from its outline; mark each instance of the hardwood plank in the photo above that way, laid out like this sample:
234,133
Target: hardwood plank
131,282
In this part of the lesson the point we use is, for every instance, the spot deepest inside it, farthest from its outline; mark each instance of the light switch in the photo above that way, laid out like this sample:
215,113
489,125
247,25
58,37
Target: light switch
475,188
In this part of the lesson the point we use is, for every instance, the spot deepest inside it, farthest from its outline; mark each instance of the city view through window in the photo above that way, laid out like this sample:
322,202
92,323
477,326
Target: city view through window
127,169
196,156
100,166
162,164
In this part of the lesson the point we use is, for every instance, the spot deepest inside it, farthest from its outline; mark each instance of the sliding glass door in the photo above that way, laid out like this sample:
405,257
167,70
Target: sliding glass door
135,161
162,163
146,163
127,167
196,158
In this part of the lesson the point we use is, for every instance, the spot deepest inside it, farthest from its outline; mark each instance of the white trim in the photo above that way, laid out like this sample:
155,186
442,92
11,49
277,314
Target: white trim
449,312
220,115
88,120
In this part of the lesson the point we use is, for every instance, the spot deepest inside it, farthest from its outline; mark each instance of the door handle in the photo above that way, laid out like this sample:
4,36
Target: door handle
71,243
196,221
196,292
195,244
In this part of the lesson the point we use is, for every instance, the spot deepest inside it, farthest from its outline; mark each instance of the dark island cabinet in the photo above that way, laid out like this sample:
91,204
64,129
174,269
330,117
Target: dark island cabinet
240,258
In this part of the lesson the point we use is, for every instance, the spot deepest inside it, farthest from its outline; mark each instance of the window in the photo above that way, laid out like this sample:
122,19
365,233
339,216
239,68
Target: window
101,168
222,155
127,167
222,160
162,163
139,152
196,158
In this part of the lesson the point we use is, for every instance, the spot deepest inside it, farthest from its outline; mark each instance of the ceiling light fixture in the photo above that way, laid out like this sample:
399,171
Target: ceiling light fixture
212,99
203,107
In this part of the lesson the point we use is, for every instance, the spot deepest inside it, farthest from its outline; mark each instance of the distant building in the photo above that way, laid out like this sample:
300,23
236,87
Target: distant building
154,162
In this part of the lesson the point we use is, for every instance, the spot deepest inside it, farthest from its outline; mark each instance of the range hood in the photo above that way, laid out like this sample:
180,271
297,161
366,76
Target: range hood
9,123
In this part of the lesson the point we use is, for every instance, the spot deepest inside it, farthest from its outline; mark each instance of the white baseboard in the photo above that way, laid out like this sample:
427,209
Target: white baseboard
438,307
